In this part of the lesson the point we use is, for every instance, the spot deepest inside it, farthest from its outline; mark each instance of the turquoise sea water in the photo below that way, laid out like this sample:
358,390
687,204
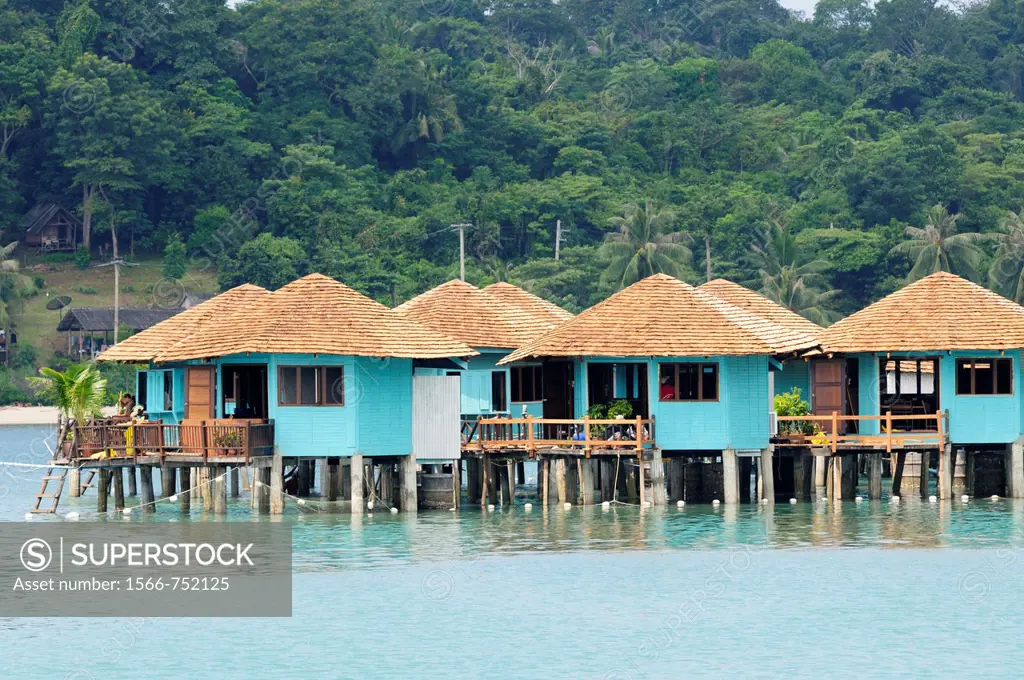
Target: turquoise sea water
872,590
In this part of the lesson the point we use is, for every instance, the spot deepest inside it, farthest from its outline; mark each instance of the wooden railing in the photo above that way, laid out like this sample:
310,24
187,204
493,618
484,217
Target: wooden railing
531,433
200,438
932,434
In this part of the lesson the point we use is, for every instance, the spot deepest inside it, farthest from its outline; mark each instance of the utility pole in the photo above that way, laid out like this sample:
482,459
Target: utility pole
462,247
558,237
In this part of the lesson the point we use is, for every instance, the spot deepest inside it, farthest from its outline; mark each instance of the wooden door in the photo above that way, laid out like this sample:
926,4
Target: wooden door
199,392
828,390
558,389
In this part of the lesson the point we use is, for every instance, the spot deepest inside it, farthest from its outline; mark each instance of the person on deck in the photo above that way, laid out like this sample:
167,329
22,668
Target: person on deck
668,390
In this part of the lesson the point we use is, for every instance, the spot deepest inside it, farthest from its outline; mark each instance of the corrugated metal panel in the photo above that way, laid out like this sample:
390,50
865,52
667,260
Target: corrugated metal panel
435,417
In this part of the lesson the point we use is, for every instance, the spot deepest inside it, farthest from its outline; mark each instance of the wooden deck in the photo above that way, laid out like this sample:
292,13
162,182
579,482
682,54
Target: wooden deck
222,442
583,435
932,434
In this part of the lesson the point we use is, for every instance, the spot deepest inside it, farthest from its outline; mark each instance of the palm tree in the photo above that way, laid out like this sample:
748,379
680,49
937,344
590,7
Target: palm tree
784,277
1006,275
12,283
77,393
939,248
644,245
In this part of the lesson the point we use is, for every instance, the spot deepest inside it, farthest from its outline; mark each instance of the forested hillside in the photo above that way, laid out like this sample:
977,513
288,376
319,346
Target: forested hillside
728,137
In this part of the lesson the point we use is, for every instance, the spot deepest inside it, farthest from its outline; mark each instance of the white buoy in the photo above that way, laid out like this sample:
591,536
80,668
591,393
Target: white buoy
965,498
933,499
764,501
822,499
28,516
716,502
173,499
792,501
994,497
859,499
490,508
127,511
394,511
680,504
303,502
895,499
647,504
605,505
528,507
369,506
567,506
73,516
451,509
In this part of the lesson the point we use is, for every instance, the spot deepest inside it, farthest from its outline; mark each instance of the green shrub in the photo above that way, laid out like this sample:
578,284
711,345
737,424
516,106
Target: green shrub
620,407
174,258
39,282
86,290
791,404
58,258
24,356
82,257
10,391
128,289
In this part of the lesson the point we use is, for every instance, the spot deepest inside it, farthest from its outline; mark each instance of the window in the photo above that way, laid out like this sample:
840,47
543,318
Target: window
688,382
498,402
527,383
168,390
984,376
311,386
143,396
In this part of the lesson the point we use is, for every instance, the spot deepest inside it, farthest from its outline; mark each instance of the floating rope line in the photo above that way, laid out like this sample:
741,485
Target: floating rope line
37,465
301,502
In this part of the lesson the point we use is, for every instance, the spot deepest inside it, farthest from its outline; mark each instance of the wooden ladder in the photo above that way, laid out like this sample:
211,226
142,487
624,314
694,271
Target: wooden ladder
87,484
54,498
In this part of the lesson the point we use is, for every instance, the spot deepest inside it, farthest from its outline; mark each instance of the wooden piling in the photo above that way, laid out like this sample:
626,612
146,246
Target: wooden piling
588,472
768,475
835,478
133,488
874,475
560,482
800,476
1016,472
730,478
329,479
457,484
960,464
407,481
820,474
926,459
146,495
324,476
513,473
544,481
185,483
945,483
220,491
658,493
118,489
505,483
303,478
101,490
206,490
167,480
263,491
485,479
607,478
356,481
277,484
897,472
75,480
630,474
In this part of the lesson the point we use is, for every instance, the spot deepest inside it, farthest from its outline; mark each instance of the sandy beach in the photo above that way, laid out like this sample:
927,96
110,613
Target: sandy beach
35,415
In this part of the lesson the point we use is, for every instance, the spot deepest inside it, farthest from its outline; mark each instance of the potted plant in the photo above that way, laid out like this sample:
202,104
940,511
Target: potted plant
791,404
230,441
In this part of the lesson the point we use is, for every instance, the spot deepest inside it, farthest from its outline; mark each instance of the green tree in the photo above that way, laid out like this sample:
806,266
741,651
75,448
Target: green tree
1006,274
266,261
937,247
174,258
78,393
644,244
13,284
783,275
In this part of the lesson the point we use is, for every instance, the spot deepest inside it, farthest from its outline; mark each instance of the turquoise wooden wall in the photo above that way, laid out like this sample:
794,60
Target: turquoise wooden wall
794,373
973,419
476,384
738,420
155,393
376,419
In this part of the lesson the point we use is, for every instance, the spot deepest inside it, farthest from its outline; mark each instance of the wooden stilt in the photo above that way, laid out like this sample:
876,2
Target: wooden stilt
167,480
118,489
874,476
219,491
544,481
133,487
607,479
632,492
945,483
588,471
730,478
572,482
897,473
513,473
357,482
820,475
324,477
246,471
146,488
521,473
505,483
263,491
457,484
234,482
560,483
768,475
926,458
277,485
485,480
101,491
75,480
658,493
1016,471
185,483
303,478
329,479
407,480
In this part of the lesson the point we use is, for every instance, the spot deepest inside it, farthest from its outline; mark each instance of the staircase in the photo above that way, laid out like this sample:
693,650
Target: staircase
44,494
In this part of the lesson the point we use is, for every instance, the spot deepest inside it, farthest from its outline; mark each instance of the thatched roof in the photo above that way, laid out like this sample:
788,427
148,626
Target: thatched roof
662,316
940,312
464,312
758,305
148,344
316,315
100,319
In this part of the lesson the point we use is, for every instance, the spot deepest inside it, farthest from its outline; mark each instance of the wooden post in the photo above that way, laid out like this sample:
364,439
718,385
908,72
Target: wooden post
730,478
505,484
407,480
1016,469
767,476
101,490
544,481
356,481
640,474
185,483
897,472
234,482
530,446
800,477
511,482
835,430
639,433
277,484
457,483
485,482
945,484
820,474
607,478
874,476
220,491
586,434
888,431
206,490
836,477
658,493
167,480
146,482
118,489
263,491
521,472
560,479
303,478
133,488
329,479
587,473
75,480
926,459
